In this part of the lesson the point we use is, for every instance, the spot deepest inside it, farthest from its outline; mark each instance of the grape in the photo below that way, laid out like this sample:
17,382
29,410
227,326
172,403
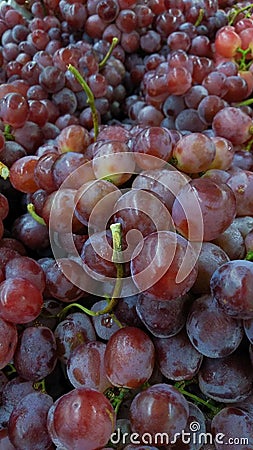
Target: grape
194,153
93,200
235,424
35,355
212,332
129,357
154,273
212,199
113,161
227,42
27,268
232,124
27,426
177,358
162,319
14,110
227,379
104,324
241,184
152,141
159,409
31,233
140,210
224,154
231,241
20,300
22,174
92,420
231,286
58,276
163,182
76,329
208,108
85,367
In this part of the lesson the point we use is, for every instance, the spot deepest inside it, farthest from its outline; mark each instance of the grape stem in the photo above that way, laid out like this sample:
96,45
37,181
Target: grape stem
35,216
116,398
9,370
242,62
200,17
4,171
108,54
117,249
7,133
90,97
40,386
111,302
181,388
236,12
249,256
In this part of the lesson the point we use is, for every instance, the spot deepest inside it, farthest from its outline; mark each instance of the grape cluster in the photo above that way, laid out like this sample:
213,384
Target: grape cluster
126,225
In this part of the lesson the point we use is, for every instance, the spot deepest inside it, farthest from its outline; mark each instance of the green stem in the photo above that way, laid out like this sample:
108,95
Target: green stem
4,171
242,62
116,398
117,249
247,102
108,54
40,386
200,401
237,12
249,256
9,370
200,17
90,97
111,302
7,133
35,216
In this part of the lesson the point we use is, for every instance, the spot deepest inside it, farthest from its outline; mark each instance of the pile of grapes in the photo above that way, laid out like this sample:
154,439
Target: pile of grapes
126,225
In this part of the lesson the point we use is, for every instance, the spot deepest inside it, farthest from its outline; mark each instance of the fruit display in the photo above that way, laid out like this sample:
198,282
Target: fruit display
126,225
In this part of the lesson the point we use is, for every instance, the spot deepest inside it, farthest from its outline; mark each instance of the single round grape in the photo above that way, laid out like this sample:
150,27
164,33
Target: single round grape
235,424
241,183
35,355
227,379
194,153
154,141
20,300
177,358
233,124
232,286
160,408
22,174
104,324
14,110
212,332
162,319
74,330
27,268
27,426
85,367
217,209
160,259
129,357
92,420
